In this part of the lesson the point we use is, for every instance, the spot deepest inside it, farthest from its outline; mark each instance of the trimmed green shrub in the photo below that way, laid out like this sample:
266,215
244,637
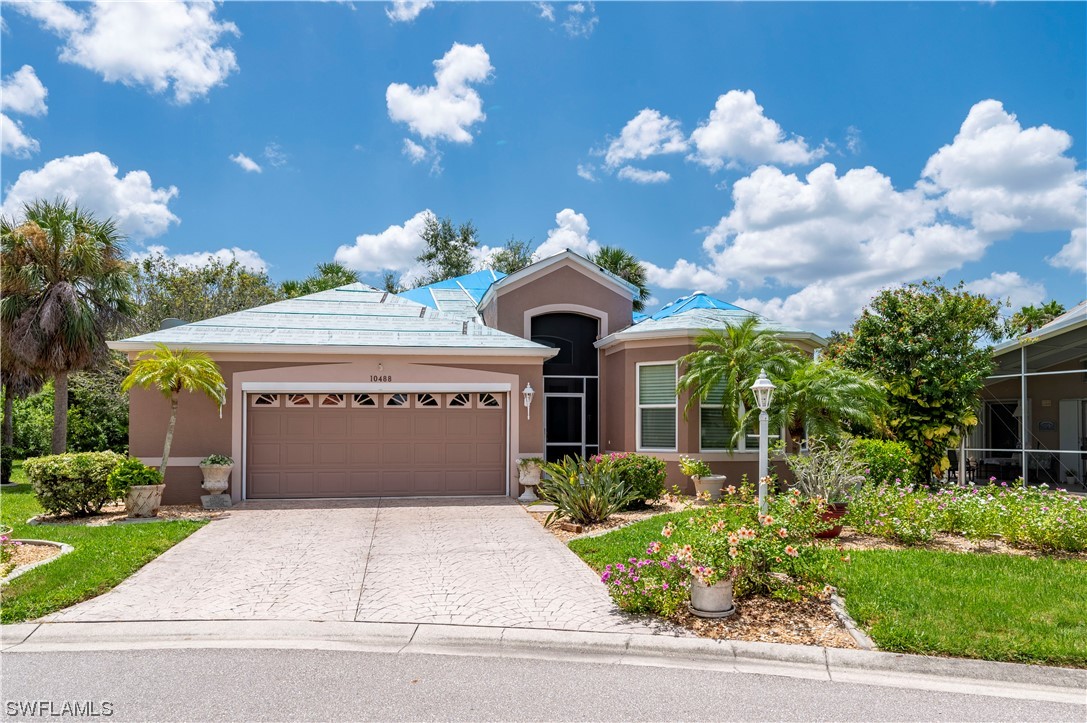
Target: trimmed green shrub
584,491
132,472
75,484
884,461
644,474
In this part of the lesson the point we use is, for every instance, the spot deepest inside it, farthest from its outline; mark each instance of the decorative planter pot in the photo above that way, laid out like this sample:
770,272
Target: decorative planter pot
711,484
711,601
529,477
216,477
833,513
144,500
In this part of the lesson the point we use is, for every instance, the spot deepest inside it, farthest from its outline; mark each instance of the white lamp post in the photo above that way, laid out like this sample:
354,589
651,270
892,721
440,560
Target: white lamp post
763,390
528,392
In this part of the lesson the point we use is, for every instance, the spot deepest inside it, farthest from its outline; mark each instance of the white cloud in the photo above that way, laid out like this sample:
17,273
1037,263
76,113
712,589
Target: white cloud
22,93
571,232
684,275
580,19
395,248
738,133
246,163
140,209
248,258
1005,178
273,153
1010,287
586,171
547,11
414,151
1073,255
404,11
853,139
448,109
13,140
169,44
647,134
638,175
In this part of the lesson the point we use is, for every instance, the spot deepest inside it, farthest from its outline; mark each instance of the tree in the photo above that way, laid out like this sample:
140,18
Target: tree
725,365
449,250
512,257
923,341
391,284
627,267
162,288
1032,317
19,382
65,286
822,398
327,276
172,372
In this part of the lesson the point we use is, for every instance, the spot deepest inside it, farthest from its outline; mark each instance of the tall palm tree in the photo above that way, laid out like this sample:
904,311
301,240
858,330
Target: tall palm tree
821,398
726,364
626,266
171,373
65,287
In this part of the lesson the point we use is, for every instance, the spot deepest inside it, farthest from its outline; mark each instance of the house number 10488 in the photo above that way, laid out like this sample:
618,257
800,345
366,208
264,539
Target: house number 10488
381,377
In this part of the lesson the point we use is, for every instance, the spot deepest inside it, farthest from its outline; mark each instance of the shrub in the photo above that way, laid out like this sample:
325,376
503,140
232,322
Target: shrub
76,483
220,459
884,461
129,473
830,473
644,474
584,491
649,585
694,467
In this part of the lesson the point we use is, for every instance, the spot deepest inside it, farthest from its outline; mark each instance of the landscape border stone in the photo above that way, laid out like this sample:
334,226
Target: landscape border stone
21,569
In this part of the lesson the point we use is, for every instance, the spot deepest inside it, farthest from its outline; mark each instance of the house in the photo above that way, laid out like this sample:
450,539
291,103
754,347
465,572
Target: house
1034,406
439,390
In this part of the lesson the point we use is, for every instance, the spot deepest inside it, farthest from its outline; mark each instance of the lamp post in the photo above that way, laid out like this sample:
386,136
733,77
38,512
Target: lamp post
763,390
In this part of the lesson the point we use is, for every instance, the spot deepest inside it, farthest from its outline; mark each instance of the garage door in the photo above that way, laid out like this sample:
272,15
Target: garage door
368,445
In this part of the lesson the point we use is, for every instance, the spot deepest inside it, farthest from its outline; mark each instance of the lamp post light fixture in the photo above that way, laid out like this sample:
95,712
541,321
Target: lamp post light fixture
528,392
763,389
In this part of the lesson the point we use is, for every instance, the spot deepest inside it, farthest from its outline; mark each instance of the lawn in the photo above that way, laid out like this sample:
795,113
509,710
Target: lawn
995,607
102,558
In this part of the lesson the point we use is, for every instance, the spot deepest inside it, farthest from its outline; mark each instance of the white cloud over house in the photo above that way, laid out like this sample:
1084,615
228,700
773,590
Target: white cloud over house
1009,287
642,176
394,249
571,231
21,93
247,258
140,209
14,141
1073,255
405,11
649,133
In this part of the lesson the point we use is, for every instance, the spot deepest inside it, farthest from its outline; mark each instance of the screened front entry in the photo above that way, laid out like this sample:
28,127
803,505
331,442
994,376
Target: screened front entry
571,384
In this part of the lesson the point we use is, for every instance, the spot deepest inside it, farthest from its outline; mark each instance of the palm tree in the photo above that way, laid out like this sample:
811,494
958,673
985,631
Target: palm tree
821,398
65,286
627,267
171,372
726,364
328,276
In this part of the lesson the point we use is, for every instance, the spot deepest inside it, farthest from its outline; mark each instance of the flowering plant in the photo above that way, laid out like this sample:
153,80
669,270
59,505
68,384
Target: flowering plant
654,584
694,467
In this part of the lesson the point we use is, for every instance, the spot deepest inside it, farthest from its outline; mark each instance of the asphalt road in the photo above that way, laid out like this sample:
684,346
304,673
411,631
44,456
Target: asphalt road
243,685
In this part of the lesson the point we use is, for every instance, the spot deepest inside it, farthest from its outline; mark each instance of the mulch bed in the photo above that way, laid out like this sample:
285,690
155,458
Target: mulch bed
619,519
766,620
850,539
115,513
26,554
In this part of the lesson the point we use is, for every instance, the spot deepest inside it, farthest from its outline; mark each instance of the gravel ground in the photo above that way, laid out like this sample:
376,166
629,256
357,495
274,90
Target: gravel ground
113,513
26,554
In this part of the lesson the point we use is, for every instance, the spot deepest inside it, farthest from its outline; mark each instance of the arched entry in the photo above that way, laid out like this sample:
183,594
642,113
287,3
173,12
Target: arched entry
571,384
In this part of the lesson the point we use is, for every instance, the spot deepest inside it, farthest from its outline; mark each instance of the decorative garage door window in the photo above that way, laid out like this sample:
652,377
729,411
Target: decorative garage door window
265,400
462,400
490,400
397,400
299,400
427,400
363,400
335,401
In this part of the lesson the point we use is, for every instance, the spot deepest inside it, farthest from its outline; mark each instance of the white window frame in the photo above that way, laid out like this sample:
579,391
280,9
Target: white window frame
742,447
638,406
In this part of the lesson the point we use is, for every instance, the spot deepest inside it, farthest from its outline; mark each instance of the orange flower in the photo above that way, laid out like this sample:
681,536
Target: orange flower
791,551
768,520
783,533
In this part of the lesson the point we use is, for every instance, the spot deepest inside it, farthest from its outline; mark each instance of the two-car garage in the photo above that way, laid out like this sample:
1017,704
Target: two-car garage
372,444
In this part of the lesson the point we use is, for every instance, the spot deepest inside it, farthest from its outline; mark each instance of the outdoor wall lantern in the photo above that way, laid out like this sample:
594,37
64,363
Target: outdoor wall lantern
528,392
763,389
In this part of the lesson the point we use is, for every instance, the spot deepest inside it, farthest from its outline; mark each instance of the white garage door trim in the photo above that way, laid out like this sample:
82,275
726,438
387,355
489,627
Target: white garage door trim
332,388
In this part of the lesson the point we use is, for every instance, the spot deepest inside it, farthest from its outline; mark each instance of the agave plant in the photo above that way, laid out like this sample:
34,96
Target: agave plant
584,491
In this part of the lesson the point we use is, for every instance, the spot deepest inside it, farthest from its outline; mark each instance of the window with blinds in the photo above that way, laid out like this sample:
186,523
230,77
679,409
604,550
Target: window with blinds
657,406
714,433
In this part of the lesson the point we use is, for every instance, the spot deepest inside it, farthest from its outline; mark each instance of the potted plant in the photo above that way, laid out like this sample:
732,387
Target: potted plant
706,483
829,473
140,486
528,474
216,470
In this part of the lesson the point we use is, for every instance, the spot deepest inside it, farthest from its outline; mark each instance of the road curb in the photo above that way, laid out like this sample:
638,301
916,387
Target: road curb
1009,680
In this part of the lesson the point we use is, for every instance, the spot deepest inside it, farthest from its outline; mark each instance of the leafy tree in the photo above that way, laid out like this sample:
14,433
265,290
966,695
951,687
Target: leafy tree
514,256
162,288
449,249
1032,317
923,341
627,267
822,398
65,287
391,284
172,372
328,276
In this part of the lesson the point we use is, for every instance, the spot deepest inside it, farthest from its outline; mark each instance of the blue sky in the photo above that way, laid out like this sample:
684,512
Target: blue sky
794,158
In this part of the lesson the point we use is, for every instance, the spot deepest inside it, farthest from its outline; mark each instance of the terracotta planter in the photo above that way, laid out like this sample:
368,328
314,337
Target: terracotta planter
144,500
833,513
216,477
711,484
711,601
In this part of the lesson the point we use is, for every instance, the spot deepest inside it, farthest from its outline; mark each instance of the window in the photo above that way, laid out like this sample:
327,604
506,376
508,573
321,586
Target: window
265,400
426,400
336,401
362,400
460,400
715,434
489,400
397,400
657,407
299,400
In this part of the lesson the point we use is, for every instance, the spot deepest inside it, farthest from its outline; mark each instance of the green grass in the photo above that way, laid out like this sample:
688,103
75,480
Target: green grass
102,558
994,607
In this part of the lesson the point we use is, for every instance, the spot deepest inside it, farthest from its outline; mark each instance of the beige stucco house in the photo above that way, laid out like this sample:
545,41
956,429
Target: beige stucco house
357,392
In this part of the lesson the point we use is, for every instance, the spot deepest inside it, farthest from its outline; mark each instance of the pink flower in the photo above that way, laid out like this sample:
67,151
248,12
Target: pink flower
667,531
791,551
783,533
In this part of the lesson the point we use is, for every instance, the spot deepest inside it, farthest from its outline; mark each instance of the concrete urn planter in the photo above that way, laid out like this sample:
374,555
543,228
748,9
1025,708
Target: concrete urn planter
216,477
711,601
711,484
529,477
144,500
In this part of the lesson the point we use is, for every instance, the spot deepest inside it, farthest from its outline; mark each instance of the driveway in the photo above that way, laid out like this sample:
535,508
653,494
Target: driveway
462,561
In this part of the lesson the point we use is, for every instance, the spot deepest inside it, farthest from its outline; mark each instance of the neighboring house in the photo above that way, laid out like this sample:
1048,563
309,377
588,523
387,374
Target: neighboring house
356,392
1035,406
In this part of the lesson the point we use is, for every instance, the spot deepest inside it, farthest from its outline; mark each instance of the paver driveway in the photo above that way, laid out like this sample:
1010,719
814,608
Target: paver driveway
466,561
